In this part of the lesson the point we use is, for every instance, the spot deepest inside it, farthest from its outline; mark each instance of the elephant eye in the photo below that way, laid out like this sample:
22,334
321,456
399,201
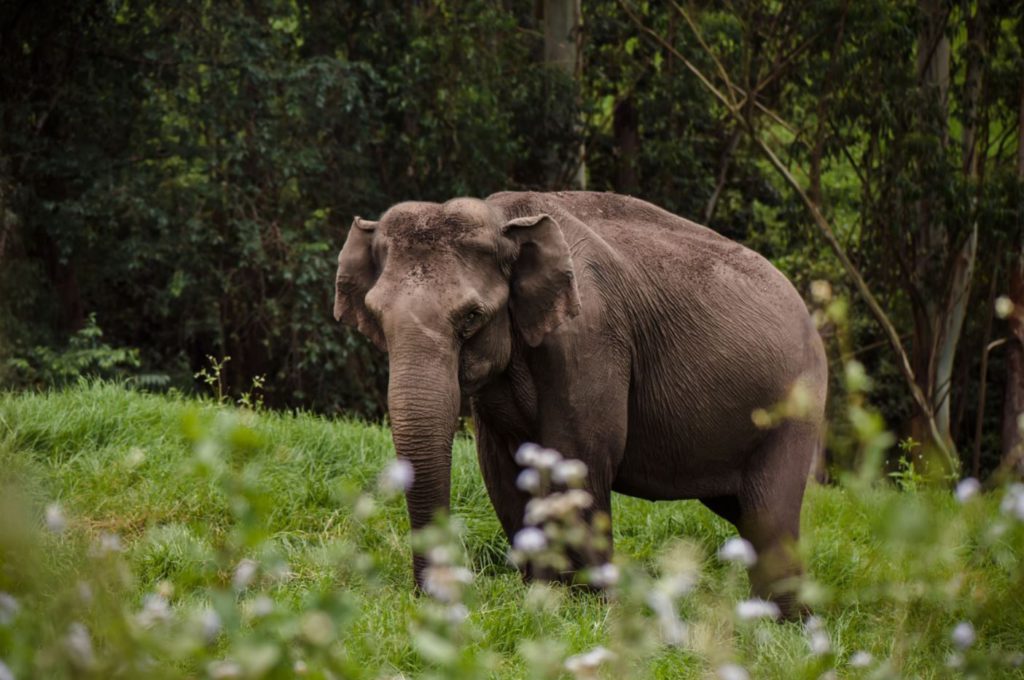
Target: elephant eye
470,321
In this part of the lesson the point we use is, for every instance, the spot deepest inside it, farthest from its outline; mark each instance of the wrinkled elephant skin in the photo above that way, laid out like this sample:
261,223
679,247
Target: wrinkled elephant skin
606,328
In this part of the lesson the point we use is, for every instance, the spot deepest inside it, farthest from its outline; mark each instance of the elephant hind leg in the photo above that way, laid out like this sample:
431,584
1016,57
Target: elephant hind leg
769,517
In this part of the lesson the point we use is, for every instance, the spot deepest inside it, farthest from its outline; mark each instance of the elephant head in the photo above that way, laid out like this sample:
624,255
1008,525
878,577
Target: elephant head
443,289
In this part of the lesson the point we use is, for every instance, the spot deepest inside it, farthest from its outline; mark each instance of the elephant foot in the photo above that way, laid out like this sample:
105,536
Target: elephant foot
776,577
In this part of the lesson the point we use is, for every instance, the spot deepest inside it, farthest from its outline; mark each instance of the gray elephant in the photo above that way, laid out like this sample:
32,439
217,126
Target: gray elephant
603,327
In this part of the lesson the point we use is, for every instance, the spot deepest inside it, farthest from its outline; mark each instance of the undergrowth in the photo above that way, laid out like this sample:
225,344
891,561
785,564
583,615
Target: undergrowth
160,536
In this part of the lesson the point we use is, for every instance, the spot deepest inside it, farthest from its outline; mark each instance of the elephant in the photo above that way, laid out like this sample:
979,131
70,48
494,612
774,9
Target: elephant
603,327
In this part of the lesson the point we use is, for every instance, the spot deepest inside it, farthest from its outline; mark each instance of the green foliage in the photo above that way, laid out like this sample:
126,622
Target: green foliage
85,356
188,173
158,535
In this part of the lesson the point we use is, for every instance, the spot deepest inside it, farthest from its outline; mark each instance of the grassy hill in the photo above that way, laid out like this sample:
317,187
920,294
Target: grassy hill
161,536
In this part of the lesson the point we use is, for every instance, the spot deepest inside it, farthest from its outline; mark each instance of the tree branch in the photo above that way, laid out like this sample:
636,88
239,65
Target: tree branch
825,230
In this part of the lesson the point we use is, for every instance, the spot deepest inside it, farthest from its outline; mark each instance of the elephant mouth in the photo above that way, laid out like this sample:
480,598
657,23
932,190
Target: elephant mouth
471,387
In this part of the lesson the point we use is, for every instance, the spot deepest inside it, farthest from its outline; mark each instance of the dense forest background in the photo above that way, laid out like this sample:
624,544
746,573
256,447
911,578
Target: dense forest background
177,178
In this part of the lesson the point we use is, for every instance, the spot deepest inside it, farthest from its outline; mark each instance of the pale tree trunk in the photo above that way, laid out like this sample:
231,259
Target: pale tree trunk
939,321
955,311
951,327
1014,401
935,334
562,35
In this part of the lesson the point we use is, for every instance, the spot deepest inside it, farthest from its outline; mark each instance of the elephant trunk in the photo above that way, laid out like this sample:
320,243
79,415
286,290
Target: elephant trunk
423,401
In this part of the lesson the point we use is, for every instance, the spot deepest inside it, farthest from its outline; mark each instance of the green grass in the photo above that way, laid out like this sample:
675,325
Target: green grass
892,572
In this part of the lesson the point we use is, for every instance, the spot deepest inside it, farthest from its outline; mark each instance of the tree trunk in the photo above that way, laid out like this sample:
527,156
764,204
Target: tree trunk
625,124
938,321
561,50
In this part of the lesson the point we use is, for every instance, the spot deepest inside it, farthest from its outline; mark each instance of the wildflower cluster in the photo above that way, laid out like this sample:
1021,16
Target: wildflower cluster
934,569
561,525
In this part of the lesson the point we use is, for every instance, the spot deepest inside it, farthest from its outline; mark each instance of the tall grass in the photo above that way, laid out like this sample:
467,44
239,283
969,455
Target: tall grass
159,536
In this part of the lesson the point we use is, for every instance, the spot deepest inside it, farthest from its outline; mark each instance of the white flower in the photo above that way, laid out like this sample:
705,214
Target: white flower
1004,306
209,622
364,507
300,667
317,628
967,489
55,520
9,608
546,459
677,585
439,555
530,540
538,510
78,644
84,592
445,583
861,659
457,613
397,476
605,575
673,631
557,505
963,635
570,472
757,609
245,572
531,455
261,606
224,670
955,660
5,672
738,550
109,543
586,665
528,481
732,671
576,499
817,636
1013,501
526,454
155,609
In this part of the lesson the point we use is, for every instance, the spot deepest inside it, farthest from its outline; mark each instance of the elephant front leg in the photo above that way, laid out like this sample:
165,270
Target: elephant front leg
588,529
500,472
583,412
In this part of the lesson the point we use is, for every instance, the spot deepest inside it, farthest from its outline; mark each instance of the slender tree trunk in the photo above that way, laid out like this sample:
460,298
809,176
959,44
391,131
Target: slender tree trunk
986,348
562,35
625,125
937,320
723,175
951,327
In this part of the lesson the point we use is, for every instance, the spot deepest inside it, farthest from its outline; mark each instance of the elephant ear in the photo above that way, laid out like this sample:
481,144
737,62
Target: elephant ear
356,275
543,291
